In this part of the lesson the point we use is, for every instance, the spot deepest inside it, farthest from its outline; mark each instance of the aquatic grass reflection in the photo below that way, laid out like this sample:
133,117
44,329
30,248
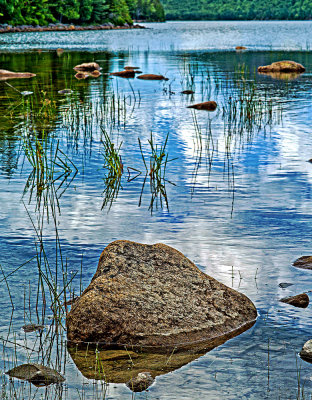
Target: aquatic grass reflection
50,165
156,170
114,167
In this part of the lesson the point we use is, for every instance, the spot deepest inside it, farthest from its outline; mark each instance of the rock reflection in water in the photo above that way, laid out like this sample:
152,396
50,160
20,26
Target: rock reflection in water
122,365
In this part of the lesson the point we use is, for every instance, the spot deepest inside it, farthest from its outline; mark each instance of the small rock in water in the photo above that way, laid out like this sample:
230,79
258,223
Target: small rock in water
32,327
282,66
300,300
127,73
65,91
26,93
130,68
284,285
304,262
37,374
152,77
87,67
239,48
207,106
306,352
187,92
141,382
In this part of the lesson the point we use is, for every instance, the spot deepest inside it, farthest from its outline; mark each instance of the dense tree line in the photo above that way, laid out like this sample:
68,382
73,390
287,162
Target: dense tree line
42,12
237,9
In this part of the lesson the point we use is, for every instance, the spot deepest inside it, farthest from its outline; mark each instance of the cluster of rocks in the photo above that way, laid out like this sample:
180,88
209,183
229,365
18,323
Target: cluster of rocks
5,28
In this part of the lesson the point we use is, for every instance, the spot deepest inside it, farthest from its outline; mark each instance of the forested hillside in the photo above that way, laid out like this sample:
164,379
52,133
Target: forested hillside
237,9
42,12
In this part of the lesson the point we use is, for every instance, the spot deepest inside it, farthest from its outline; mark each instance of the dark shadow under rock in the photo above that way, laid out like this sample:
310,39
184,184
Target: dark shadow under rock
124,365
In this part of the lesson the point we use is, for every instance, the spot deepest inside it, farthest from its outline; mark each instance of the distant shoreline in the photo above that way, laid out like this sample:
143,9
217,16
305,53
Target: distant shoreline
5,28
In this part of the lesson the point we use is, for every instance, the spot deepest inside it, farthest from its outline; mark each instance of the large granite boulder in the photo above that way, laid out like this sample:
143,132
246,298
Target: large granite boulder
152,295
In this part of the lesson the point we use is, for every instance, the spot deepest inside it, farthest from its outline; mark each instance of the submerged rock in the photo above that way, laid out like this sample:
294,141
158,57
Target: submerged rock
125,364
152,77
65,91
284,285
37,374
187,92
87,67
129,73
141,382
300,300
32,328
130,68
152,295
304,262
4,74
306,351
207,105
282,66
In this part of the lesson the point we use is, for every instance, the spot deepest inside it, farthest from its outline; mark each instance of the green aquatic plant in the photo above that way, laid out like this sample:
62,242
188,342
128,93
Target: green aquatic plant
114,170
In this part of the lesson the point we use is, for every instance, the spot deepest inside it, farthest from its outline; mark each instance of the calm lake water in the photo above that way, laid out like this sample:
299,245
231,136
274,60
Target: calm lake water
236,198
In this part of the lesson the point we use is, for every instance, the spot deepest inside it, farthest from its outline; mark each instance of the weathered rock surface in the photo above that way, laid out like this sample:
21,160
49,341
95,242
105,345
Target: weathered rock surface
92,66
306,352
282,66
141,382
152,77
300,300
4,74
36,373
304,262
207,105
152,295
127,73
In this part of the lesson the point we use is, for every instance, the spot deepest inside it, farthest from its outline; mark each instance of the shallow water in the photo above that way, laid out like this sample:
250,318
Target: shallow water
239,201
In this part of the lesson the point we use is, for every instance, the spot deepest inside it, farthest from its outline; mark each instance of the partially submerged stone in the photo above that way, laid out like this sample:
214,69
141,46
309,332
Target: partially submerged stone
207,106
152,77
5,74
141,382
32,328
152,295
284,285
87,67
65,91
187,92
240,48
306,352
304,262
129,73
282,66
130,68
300,300
37,374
